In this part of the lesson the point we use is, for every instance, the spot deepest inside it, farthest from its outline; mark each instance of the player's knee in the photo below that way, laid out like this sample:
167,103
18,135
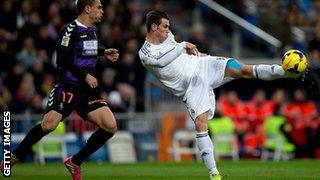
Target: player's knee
110,127
201,124
50,122
48,126
113,129
200,127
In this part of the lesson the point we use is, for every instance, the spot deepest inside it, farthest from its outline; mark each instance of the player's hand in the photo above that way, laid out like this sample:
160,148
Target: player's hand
192,49
111,54
91,81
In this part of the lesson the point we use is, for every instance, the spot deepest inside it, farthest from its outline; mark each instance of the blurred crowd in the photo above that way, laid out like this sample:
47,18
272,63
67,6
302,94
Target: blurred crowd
295,23
28,30
301,126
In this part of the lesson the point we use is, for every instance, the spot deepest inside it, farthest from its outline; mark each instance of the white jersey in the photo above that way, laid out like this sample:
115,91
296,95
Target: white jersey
170,63
187,76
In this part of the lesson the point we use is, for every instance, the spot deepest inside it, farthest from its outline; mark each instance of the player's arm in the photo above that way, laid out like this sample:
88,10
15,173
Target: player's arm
101,49
65,52
110,53
164,58
192,49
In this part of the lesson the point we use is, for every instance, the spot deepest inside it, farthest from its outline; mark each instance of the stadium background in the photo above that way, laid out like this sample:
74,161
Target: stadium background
150,119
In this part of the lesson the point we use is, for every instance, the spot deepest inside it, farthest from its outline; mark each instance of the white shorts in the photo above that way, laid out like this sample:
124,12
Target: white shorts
199,97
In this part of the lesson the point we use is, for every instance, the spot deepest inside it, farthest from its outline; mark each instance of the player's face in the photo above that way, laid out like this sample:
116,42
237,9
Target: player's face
96,12
162,31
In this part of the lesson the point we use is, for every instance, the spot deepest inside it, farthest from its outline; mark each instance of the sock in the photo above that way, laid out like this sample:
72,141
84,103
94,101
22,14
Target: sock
268,72
96,140
33,136
206,151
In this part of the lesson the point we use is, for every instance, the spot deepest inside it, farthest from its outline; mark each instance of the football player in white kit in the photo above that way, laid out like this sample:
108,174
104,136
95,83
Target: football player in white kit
192,76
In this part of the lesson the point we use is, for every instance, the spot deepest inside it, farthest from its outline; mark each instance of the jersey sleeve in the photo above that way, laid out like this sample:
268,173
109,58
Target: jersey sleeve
65,52
164,58
101,49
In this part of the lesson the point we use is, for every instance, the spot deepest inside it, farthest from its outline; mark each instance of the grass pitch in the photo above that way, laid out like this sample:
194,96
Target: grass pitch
302,169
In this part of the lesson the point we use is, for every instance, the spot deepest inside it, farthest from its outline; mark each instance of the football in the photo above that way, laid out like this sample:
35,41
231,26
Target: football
294,61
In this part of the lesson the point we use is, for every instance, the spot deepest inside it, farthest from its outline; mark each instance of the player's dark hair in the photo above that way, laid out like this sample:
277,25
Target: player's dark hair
81,5
154,17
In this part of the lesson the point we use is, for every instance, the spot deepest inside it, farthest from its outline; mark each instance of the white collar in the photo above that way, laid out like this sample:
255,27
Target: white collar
80,24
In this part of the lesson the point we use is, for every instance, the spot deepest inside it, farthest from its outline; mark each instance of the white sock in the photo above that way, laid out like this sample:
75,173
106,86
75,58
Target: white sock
268,72
206,151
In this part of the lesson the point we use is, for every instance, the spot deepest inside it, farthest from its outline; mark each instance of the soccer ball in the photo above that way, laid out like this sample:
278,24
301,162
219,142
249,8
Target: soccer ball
294,61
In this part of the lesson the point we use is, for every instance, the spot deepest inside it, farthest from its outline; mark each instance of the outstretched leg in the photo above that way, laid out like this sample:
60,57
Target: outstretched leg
205,145
235,69
104,119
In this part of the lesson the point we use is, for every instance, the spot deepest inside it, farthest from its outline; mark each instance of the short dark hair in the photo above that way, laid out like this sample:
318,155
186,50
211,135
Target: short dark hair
154,17
81,4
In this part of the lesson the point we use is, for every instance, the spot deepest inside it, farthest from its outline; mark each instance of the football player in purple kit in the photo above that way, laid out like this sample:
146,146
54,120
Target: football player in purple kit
76,87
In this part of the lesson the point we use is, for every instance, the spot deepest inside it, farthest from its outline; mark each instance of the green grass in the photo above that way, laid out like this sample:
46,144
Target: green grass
303,169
